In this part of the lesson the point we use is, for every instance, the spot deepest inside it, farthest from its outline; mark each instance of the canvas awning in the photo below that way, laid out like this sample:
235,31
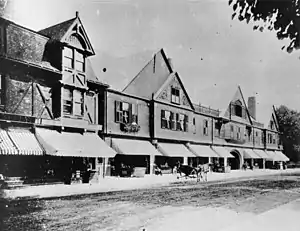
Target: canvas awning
174,150
73,144
273,156
222,152
250,154
281,156
6,145
134,147
261,153
25,142
202,150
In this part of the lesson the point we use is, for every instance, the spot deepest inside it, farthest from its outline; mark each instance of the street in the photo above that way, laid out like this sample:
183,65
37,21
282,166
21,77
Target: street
181,205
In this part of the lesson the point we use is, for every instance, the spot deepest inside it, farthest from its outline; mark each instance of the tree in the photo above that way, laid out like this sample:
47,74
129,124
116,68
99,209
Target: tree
282,16
289,126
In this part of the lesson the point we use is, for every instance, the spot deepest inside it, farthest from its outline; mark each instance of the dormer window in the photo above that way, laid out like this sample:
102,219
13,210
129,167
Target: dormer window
238,109
272,125
175,95
73,59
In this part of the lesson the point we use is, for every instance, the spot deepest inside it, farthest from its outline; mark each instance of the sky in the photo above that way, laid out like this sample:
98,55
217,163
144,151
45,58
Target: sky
212,53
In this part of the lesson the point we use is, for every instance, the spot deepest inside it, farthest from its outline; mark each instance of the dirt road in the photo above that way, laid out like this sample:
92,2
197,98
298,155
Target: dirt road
212,206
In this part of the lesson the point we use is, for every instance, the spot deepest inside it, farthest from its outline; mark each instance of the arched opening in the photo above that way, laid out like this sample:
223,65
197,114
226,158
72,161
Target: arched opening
235,163
238,108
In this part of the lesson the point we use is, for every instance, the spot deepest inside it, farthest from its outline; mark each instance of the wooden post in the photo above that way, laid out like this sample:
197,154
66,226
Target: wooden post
185,160
151,165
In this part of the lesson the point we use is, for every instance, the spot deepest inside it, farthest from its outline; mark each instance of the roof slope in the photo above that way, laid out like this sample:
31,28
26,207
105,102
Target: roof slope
150,79
57,31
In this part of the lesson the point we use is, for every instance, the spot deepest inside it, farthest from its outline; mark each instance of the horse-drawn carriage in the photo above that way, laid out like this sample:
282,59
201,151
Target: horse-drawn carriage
199,172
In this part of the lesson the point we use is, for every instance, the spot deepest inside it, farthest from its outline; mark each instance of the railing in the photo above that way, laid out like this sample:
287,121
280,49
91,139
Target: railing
206,110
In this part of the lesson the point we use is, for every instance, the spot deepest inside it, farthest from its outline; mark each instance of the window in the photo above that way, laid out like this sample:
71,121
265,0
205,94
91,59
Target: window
217,129
262,138
249,134
180,122
172,121
165,116
126,112
205,127
231,131
175,95
1,40
67,101
119,112
68,57
79,62
78,103
270,138
186,123
134,113
272,125
238,134
125,109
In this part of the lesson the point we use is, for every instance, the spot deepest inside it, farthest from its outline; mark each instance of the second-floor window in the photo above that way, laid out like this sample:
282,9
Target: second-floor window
73,102
270,138
238,134
205,127
194,125
231,131
174,121
126,112
262,138
175,95
1,88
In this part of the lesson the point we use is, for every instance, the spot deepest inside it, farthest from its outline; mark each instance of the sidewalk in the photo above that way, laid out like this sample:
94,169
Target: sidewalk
109,184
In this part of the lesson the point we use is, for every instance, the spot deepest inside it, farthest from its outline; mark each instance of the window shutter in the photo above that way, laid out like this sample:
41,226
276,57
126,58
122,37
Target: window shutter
130,119
117,111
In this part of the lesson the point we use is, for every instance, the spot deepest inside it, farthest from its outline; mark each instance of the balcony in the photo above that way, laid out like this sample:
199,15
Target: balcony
206,110
227,135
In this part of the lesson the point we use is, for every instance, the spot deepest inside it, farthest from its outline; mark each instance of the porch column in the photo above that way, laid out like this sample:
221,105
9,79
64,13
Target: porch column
106,165
210,160
264,163
252,162
225,162
185,160
152,162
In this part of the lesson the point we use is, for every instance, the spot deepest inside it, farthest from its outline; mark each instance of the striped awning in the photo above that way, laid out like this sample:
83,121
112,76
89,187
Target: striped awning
25,141
134,147
222,152
73,144
6,145
202,150
174,150
250,154
261,153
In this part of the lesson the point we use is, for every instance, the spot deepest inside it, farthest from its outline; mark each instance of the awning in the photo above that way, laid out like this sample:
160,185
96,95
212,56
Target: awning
249,154
273,156
174,150
261,153
73,144
222,152
134,147
202,150
6,145
25,141
281,156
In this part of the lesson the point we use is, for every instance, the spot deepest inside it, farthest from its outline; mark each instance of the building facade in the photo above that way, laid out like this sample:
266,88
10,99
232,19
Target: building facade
58,118
157,103
51,120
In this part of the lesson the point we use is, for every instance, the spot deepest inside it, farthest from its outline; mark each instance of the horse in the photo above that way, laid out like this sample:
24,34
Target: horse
188,171
202,171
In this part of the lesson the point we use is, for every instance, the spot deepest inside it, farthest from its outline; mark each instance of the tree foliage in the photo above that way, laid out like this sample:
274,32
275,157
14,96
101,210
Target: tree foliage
289,126
282,16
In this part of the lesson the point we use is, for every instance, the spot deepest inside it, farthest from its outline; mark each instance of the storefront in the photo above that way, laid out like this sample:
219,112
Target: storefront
71,153
134,154
204,154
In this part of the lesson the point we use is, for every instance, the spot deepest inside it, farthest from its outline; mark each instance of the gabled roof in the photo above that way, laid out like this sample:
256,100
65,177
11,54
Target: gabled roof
167,82
150,79
61,32
57,31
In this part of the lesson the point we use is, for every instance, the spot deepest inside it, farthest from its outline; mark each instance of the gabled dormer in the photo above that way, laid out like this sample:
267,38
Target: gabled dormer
237,109
172,91
273,123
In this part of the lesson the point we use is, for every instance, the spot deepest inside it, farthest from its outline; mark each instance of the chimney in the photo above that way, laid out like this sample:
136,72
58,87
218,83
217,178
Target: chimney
252,106
170,63
77,14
